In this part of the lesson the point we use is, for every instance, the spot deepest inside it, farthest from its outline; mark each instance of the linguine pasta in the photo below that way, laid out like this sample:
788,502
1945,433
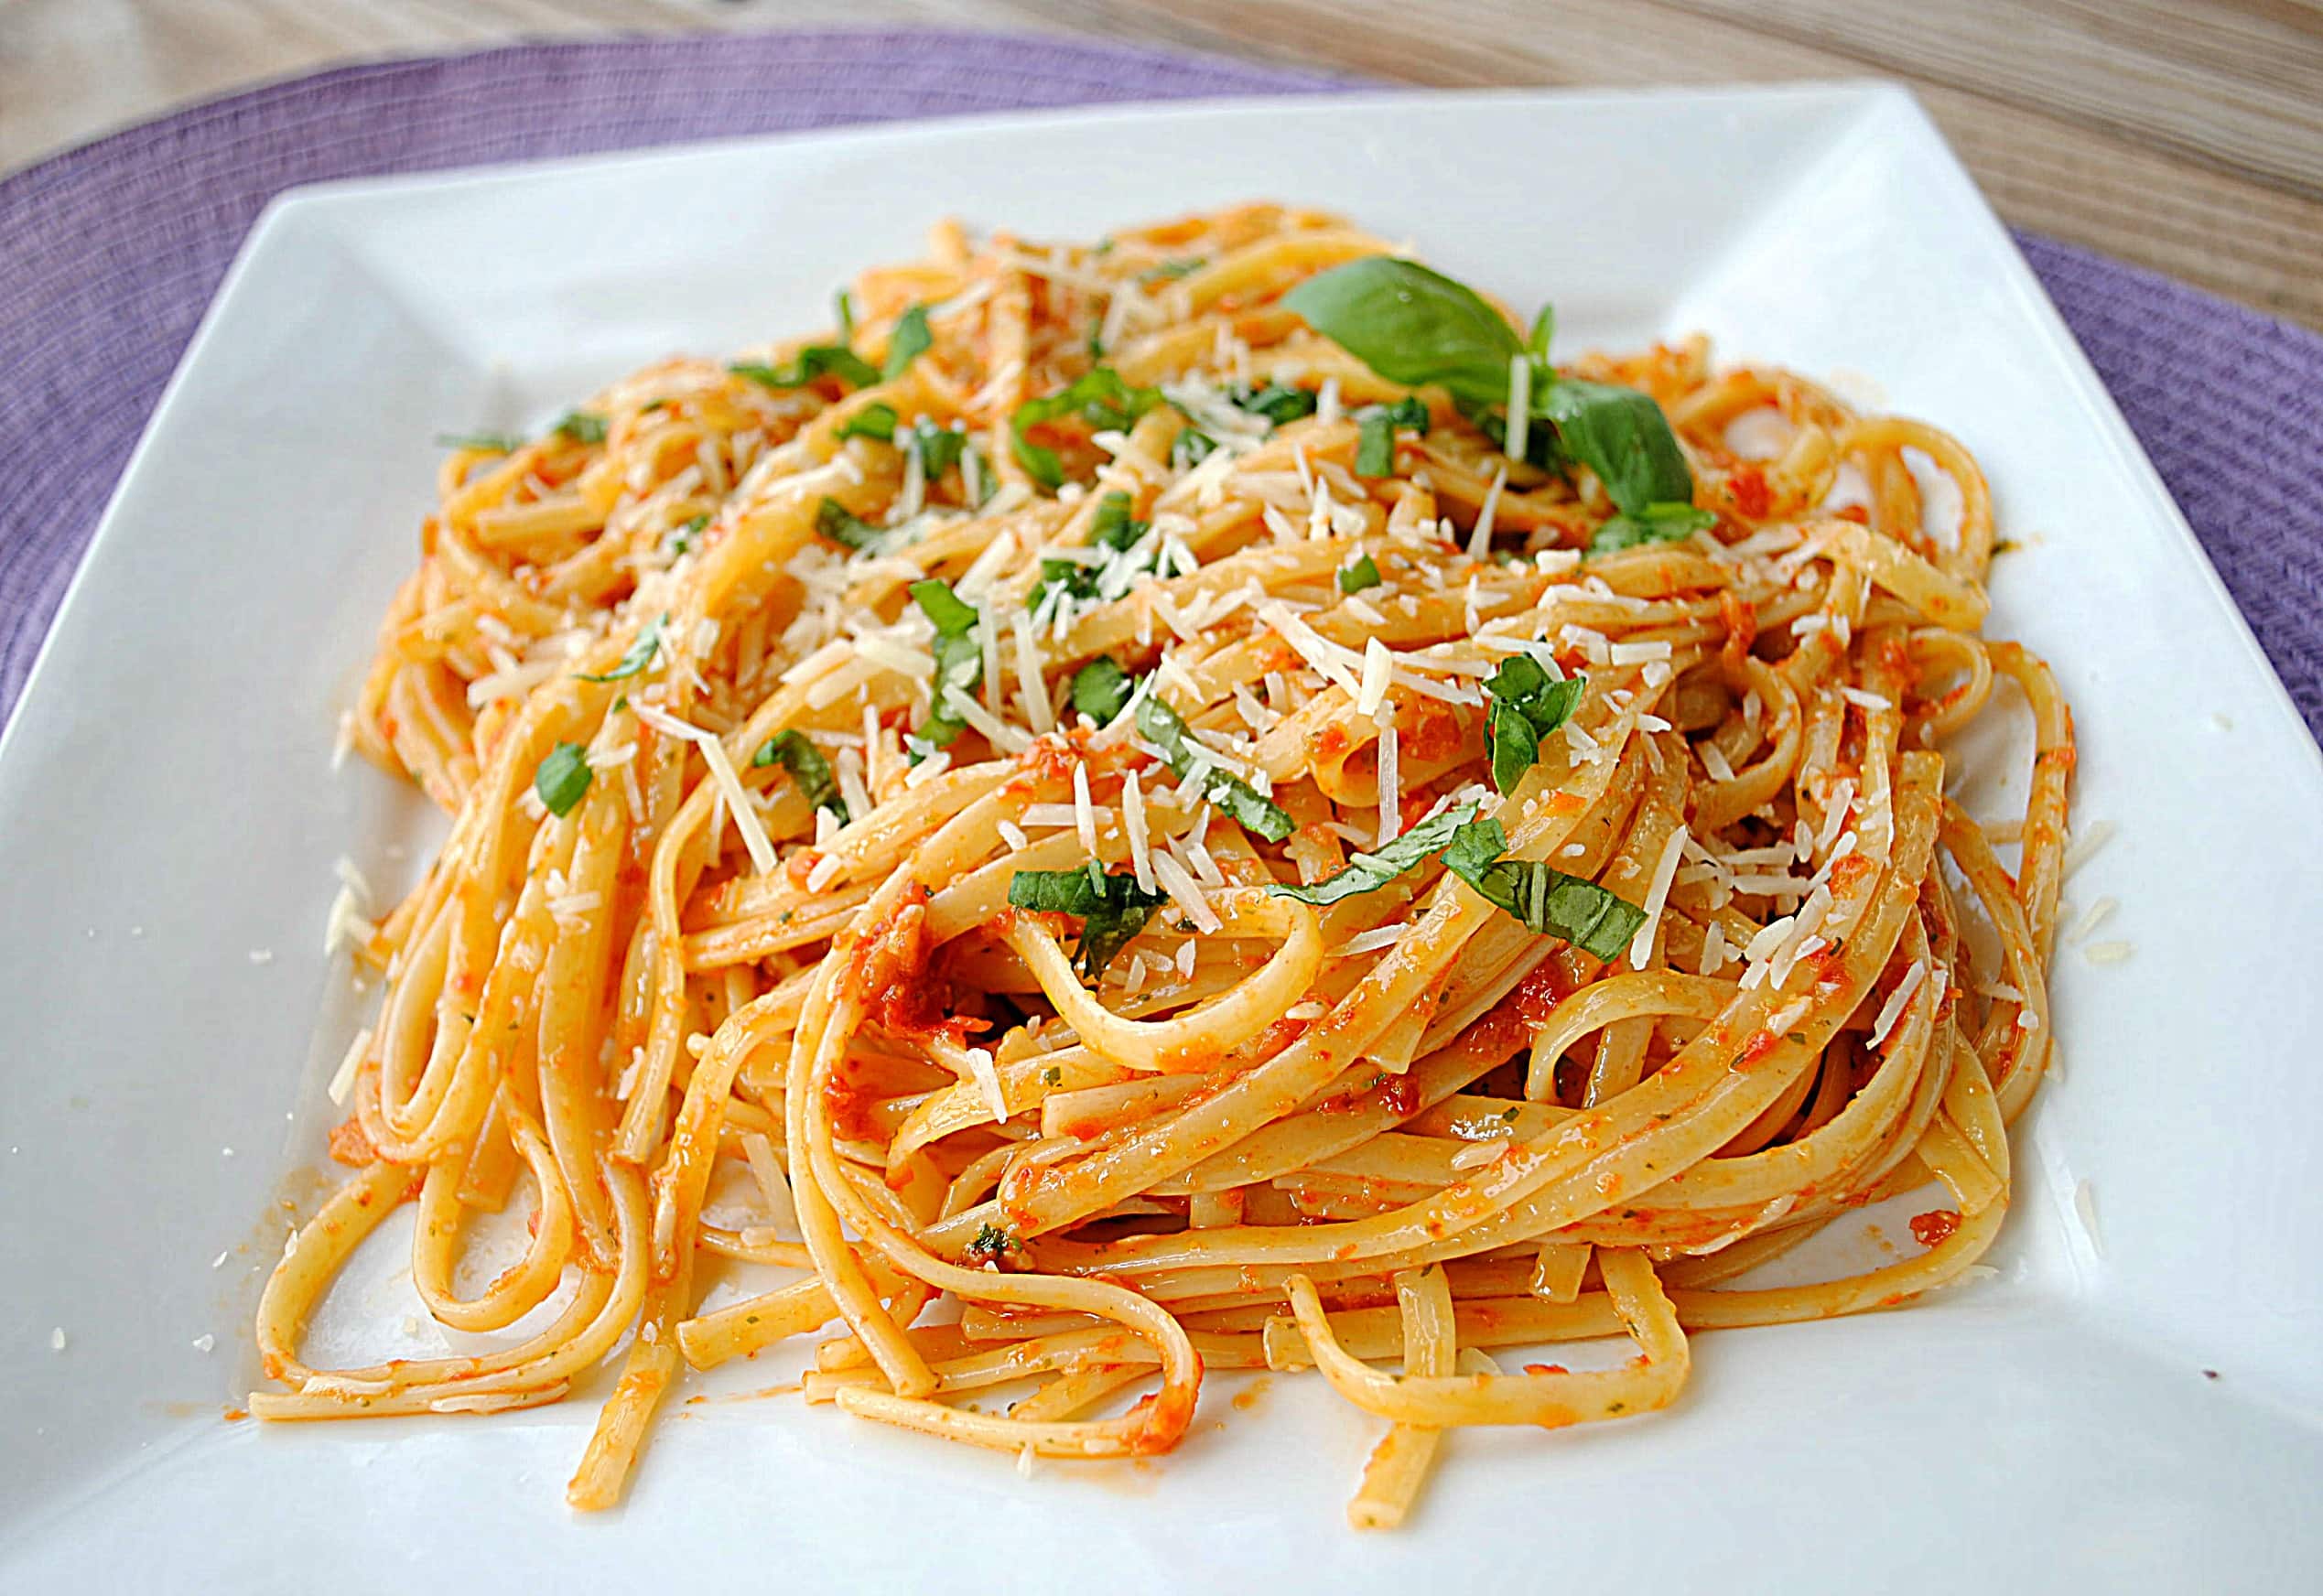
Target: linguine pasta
1191,803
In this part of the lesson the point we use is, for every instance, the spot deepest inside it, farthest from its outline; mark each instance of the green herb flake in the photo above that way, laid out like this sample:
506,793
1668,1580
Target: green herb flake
836,522
1542,898
581,426
562,778
1160,726
1171,271
1098,397
1052,1076
1527,704
959,659
939,447
809,770
490,443
1653,523
1364,573
843,304
1112,908
811,365
1102,689
908,342
1369,872
641,652
1278,403
872,421
682,538
1375,429
991,1241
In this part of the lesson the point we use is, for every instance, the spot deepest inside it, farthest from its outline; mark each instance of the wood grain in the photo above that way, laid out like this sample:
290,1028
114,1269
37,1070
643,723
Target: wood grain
2185,136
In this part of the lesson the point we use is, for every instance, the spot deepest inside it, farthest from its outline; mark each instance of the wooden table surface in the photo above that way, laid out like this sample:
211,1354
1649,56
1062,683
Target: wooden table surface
2183,135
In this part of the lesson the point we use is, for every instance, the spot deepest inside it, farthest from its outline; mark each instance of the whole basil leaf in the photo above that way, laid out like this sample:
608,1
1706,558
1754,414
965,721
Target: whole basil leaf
1621,434
1411,326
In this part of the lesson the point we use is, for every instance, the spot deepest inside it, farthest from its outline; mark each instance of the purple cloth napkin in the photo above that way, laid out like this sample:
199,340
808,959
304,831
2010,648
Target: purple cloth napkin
109,253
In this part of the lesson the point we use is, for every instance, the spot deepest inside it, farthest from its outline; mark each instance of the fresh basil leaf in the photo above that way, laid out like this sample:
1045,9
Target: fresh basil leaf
497,442
1544,899
1621,434
959,659
1113,908
1363,573
872,421
1540,442
641,650
1654,524
1102,689
1098,396
844,302
1171,271
1411,326
811,365
1544,328
1162,726
1374,444
809,770
939,447
908,342
1527,704
836,522
581,426
1277,402
562,778
1369,872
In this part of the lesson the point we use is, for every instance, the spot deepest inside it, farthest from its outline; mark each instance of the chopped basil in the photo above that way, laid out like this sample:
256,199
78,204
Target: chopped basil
1160,726
1102,689
1052,1076
843,303
811,365
1375,429
1098,396
640,654
682,538
959,659
1277,402
872,421
939,447
1112,528
809,770
1527,704
836,522
1191,450
562,778
1418,327
1171,271
582,426
907,343
1113,908
496,443
1364,573
1545,899
1369,872
1654,524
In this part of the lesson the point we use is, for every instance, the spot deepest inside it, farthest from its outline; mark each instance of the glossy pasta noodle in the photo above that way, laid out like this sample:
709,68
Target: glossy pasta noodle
1183,804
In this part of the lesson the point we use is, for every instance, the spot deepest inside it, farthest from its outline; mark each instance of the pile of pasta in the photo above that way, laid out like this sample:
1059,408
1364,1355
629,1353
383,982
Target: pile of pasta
1122,838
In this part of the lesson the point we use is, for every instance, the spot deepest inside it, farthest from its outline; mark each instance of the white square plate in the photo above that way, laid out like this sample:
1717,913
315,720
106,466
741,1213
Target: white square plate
166,807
